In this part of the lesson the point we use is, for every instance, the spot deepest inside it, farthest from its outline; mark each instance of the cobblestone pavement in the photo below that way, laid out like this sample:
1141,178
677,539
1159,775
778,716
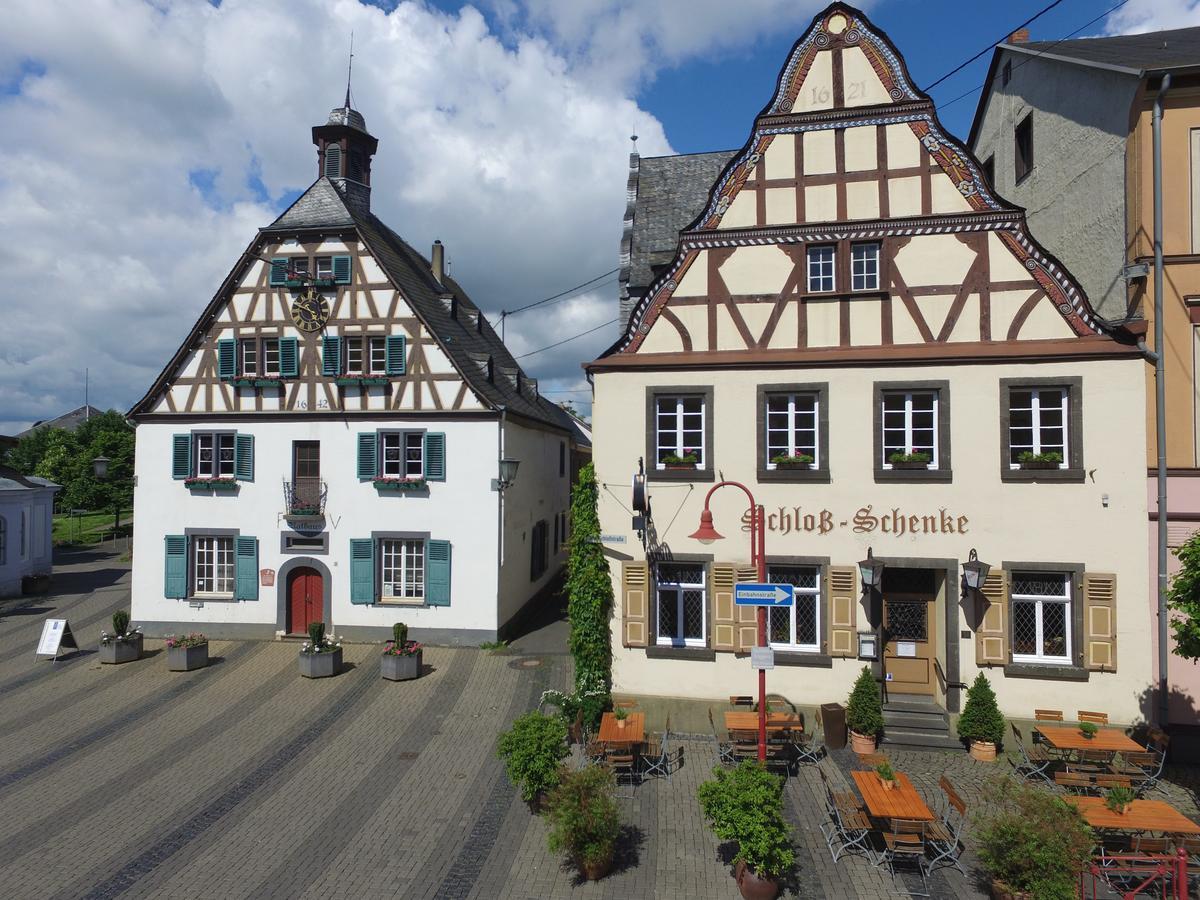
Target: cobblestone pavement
245,780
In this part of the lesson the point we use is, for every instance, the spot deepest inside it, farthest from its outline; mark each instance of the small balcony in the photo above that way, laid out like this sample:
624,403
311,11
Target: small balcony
304,498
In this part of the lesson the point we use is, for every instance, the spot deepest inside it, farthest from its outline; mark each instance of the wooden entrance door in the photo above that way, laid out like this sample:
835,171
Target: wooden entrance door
910,626
306,599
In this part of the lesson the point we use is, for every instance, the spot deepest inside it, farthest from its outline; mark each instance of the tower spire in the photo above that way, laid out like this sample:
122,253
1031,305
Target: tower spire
349,70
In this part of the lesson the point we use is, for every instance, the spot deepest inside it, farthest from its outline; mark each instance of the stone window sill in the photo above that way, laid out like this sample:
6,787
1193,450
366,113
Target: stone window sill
914,476
810,476
1073,476
680,475
1045,672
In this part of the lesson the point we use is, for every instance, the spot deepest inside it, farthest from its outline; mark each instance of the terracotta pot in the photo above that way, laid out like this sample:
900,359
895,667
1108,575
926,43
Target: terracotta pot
753,886
621,723
984,751
1001,891
888,784
594,871
862,743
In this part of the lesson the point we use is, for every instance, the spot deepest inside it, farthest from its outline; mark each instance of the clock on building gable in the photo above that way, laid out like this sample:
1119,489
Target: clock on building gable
310,311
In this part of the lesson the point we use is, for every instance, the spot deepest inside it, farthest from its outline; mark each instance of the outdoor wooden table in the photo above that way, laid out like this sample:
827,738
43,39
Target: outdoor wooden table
634,731
1069,737
748,721
1143,815
901,802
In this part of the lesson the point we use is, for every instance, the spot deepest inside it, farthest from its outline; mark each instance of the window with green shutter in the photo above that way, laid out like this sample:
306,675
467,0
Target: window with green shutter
437,573
246,550
362,570
181,456
395,354
226,358
279,267
243,457
341,269
289,357
368,456
175,569
435,456
331,356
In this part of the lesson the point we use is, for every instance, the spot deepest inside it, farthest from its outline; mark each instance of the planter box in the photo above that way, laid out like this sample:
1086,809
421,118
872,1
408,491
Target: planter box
121,650
184,659
374,381
793,466
680,467
35,584
347,381
242,382
268,382
416,484
321,665
1039,466
212,486
910,465
400,668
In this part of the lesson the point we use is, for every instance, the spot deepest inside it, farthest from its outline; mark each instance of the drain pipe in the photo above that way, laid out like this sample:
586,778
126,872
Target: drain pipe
1160,402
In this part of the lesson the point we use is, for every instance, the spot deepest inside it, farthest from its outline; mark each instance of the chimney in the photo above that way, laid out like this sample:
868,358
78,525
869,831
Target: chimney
438,262
1020,36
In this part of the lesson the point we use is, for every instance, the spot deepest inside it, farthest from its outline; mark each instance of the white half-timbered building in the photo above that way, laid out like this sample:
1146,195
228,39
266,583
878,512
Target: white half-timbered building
326,443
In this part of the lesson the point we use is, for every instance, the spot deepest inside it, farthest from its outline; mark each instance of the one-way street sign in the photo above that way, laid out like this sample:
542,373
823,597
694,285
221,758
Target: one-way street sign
763,595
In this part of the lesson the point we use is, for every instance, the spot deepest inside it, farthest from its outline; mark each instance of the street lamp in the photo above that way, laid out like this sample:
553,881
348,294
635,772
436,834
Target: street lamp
706,534
100,468
508,474
975,572
871,570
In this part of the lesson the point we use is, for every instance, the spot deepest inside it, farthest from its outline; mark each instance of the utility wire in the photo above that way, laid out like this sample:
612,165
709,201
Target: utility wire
560,295
567,340
961,66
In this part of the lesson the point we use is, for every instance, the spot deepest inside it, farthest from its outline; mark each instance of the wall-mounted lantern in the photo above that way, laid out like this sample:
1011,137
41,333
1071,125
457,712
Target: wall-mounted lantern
508,474
871,570
975,572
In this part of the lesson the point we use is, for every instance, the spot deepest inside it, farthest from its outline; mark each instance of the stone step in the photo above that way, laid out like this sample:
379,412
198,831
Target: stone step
919,740
934,723
912,704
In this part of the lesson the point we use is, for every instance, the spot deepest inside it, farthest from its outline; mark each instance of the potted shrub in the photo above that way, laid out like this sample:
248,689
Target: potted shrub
917,460
122,645
887,775
1119,799
981,722
864,713
401,659
187,652
584,822
1030,460
792,461
620,715
1032,843
532,750
745,804
687,460
321,657
1088,729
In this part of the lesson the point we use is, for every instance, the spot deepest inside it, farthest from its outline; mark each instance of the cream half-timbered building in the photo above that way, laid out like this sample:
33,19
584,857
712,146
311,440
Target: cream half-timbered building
842,316
325,444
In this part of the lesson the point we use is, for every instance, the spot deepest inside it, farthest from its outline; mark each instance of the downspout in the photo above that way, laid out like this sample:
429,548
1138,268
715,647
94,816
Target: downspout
1160,402
499,519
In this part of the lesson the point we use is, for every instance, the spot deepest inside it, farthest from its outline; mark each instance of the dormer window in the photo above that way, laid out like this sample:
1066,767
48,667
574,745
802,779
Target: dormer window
333,161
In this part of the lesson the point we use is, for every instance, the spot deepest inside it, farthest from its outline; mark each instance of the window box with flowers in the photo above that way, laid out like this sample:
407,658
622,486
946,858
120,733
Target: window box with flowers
917,460
243,382
268,382
186,652
400,484
679,462
1030,460
122,645
792,461
210,484
347,381
401,659
321,656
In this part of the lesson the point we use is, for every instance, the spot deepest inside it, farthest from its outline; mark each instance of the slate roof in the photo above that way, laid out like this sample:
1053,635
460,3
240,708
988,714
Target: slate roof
12,480
70,421
1155,50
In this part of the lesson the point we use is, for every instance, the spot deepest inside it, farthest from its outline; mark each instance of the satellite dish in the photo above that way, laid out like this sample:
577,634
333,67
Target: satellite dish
639,493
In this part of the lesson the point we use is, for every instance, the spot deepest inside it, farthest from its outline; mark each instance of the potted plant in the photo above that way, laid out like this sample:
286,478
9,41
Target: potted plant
187,652
686,460
400,484
620,715
321,657
584,822
532,750
864,713
981,722
792,461
122,645
1030,460
745,804
1119,799
887,775
401,659
1088,729
918,459
1032,843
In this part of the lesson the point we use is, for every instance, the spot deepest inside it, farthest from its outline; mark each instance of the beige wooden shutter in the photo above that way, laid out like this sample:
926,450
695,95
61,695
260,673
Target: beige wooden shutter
635,603
747,616
841,585
991,637
724,614
1100,621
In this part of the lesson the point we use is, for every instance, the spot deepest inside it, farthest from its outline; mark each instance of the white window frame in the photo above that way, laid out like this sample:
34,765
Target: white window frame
793,417
678,588
402,563
217,466
324,267
802,594
821,270
1035,411
248,356
376,354
217,553
677,446
908,425
864,269
1040,601
355,354
270,356
299,267
407,443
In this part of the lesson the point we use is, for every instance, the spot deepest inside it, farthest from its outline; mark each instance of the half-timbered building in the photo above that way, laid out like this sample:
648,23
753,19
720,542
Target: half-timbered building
326,444
842,316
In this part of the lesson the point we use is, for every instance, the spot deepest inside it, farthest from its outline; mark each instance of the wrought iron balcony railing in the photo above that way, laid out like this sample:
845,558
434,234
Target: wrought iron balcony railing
304,498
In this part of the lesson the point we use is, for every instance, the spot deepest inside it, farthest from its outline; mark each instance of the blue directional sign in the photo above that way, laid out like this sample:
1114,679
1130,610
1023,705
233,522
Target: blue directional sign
763,595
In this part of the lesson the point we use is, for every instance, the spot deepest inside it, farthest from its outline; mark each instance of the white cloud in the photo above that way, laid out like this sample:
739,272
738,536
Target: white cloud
1139,16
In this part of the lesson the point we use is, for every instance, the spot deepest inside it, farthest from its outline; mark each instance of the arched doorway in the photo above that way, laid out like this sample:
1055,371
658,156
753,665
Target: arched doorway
305,599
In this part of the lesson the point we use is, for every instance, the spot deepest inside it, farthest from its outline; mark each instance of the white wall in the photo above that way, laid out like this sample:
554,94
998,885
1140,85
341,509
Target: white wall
35,508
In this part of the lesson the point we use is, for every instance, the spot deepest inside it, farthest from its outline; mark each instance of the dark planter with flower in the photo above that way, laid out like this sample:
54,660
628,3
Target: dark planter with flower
122,645
187,652
321,657
792,462
210,484
680,462
401,659
918,460
396,485
1030,460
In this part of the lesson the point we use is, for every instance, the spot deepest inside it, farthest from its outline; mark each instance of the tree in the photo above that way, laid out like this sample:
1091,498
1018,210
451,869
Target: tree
1183,598
589,590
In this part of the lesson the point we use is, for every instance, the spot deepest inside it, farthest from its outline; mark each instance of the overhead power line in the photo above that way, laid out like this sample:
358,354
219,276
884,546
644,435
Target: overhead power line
567,340
561,295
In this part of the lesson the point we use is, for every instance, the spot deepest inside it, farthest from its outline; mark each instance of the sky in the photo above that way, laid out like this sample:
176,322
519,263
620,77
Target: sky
148,141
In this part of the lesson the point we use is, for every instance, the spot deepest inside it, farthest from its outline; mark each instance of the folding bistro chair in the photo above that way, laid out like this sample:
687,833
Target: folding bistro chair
725,755
945,837
1034,760
808,748
848,829
1108,782
1096,718
623,764
659,758
1091,762
1045,715
904,842
1074,782
1143,769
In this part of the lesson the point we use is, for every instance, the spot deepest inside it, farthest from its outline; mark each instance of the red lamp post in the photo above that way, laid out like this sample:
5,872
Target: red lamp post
758,558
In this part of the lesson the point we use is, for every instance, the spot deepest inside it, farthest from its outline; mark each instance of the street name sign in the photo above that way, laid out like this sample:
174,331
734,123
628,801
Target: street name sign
56,635
763,595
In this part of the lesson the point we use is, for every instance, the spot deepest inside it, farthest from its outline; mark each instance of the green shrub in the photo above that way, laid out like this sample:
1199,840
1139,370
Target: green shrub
400,634
1032,840
531,751
1118,797
864,709
745,804
120,622
316,634
583,816
885,771
1089,729
981,719
589,597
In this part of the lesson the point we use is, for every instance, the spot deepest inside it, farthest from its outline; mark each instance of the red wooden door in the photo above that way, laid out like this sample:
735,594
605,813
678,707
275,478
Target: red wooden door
306,599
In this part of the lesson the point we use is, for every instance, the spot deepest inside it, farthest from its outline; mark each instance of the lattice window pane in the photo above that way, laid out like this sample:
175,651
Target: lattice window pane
693,614
1054,629
779,625
668,612
906,620
1024,628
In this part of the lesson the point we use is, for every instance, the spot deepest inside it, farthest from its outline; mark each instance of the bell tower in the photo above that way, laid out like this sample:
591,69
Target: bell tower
344,151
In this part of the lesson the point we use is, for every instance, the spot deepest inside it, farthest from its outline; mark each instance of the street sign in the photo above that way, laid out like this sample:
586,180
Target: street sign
762,658
763,595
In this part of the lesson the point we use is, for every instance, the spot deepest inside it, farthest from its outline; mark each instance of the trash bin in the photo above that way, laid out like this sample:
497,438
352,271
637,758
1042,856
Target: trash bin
833,718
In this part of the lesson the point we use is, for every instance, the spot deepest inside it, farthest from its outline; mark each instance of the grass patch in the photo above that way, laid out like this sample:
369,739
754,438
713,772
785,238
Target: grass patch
494,646
90,528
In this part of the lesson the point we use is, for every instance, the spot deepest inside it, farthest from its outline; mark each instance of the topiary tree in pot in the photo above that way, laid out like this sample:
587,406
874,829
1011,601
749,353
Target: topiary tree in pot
864,713
532,750
584,822
122,645
981,721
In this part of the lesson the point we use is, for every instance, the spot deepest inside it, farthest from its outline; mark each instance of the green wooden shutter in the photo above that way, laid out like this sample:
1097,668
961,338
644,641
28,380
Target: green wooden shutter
175,579
243,457
331,356
341,269
279,267
395,354
435,456
181,456
368,463
437,573
289,357
247,568
333,161
226,358
362,570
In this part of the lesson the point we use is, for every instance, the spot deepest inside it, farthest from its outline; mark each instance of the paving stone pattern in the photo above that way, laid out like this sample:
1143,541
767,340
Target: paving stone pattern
245,780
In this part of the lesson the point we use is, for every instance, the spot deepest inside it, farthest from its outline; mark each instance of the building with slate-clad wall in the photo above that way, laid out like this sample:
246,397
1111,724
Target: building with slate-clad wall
325,444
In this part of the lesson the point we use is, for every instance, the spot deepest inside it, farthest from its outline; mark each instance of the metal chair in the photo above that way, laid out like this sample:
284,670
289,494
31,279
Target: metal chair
725,754
623,764
1034,761
847,830
808,748
1096,718
945,837
905,842
1092,762
659,757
